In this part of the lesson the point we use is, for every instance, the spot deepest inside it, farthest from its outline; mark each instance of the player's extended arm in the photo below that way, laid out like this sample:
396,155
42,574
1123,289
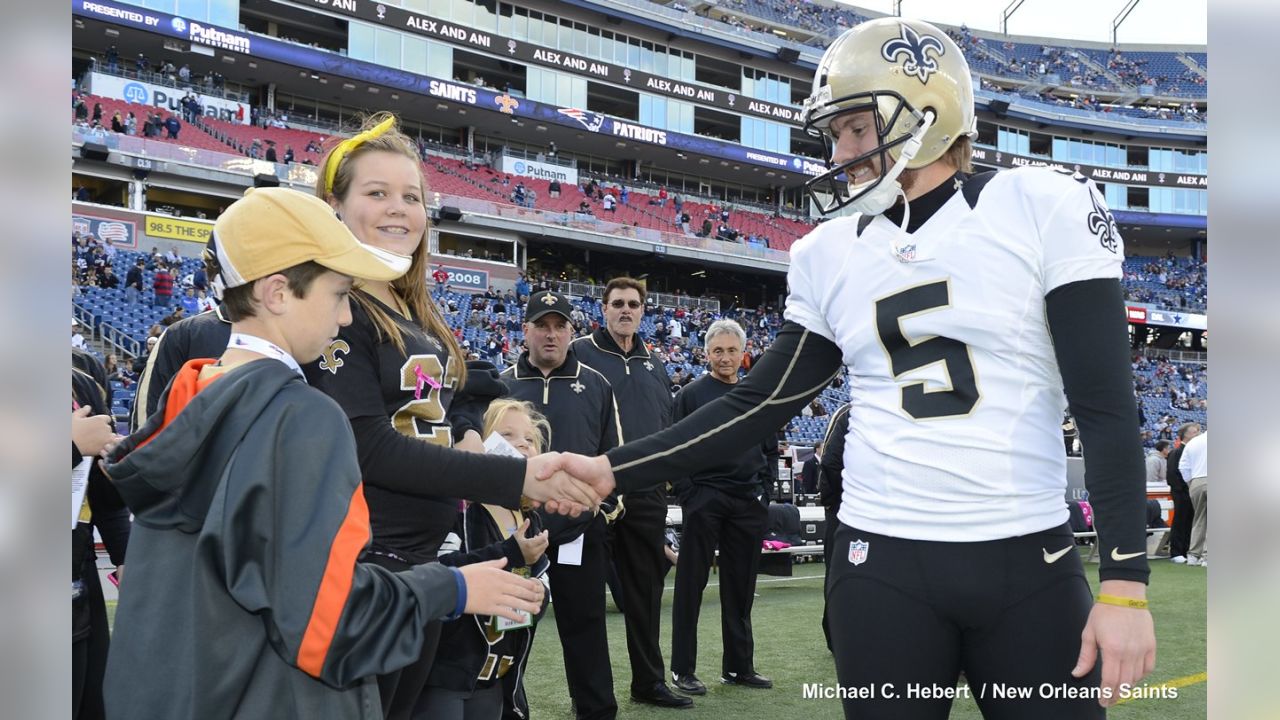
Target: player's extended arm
795,368
1087,321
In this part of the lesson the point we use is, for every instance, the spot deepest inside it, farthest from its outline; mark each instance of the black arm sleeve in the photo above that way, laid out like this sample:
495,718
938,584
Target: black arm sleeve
795,368
1090,339
407,465
831,464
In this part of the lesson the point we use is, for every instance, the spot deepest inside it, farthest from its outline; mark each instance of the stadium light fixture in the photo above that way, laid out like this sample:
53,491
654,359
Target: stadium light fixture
373,90
110,32
442,107
348,86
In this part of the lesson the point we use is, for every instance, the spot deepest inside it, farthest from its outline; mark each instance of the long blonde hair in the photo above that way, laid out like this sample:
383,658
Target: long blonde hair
412,286
499,408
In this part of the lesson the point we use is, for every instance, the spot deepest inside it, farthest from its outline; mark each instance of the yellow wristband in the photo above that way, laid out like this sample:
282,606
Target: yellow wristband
1134,603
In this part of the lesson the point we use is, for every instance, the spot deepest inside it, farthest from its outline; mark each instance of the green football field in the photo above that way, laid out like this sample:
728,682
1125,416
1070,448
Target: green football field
790,649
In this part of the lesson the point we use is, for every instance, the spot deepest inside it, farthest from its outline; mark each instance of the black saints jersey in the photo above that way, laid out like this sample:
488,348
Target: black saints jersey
370,377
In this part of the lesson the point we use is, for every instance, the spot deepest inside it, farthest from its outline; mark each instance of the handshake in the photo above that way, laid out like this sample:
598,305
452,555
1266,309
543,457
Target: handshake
567,483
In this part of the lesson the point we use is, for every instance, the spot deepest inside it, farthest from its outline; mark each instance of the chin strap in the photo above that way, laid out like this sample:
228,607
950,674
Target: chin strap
887,189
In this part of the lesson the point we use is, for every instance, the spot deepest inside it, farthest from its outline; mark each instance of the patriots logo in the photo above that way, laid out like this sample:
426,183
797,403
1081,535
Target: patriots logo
114,232
916,47
1103,224
589,120
330,361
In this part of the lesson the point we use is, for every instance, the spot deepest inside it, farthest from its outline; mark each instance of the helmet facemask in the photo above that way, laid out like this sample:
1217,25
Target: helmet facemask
899,128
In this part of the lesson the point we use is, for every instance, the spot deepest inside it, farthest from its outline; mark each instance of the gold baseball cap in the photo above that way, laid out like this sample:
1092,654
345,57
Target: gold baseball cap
273,229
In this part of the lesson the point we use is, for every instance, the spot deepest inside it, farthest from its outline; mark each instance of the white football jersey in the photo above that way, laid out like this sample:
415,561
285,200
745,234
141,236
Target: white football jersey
956,399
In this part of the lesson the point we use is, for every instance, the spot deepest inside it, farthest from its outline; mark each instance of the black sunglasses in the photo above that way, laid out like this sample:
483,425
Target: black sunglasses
633,304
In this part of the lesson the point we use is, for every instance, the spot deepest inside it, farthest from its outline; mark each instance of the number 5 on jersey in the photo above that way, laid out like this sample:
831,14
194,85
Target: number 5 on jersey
905,355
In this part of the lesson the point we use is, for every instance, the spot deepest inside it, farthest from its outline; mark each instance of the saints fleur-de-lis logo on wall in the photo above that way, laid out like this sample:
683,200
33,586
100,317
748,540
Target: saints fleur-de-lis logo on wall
913,49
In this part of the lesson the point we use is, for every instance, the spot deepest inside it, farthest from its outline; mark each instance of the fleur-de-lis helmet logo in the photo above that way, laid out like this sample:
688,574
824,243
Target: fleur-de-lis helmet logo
912,50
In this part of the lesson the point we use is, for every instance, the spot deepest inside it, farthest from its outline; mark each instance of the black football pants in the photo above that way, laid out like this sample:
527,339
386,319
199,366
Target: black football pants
910,615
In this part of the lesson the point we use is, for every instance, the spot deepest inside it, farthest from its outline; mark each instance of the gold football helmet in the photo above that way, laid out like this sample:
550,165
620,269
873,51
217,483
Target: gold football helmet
917,83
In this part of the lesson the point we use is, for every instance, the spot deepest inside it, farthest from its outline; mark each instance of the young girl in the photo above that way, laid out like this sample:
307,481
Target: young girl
478,672
395,371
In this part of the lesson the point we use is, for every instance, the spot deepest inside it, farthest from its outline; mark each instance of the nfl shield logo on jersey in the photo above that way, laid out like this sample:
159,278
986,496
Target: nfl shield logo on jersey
858,551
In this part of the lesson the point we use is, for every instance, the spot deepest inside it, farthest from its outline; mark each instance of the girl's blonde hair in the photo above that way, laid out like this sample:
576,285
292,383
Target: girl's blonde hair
499,408
412,286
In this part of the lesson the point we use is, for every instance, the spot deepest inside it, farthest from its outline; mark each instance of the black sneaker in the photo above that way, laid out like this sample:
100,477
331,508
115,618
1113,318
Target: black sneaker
751,679
688,684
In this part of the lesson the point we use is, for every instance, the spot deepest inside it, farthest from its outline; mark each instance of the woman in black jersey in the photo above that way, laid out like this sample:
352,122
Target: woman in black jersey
396,369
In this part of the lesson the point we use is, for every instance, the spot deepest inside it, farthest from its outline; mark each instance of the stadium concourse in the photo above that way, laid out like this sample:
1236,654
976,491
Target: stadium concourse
490,323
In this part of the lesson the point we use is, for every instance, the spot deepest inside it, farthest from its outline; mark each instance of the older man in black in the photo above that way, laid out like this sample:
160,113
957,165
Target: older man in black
578,403
721,507
643,392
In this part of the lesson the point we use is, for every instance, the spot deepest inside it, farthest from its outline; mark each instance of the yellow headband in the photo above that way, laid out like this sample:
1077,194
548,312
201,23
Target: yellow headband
346,146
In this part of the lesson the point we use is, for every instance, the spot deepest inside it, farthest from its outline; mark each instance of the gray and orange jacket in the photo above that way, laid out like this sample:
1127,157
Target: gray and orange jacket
244,597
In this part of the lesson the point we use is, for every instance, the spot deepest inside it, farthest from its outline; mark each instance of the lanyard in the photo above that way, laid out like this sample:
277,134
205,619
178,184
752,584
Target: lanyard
255,344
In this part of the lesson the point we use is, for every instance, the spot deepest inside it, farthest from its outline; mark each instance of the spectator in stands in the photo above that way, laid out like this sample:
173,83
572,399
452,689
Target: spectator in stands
116,371
97,113
271,151
553,189
584,208
662,196
440,275
174,316
706,227
190,303
117,123
288,154
133,282
609,202
173,125
77,338
162,286
107,278
722,509
204,303
1157,471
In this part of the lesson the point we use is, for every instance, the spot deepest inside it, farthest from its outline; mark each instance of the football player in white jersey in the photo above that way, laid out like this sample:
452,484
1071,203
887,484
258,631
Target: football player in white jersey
965,307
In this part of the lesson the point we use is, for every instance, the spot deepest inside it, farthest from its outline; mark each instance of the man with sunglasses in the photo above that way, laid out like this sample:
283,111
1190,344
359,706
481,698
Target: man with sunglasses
643,392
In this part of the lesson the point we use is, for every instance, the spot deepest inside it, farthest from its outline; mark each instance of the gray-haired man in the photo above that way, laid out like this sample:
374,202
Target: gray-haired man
721,507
